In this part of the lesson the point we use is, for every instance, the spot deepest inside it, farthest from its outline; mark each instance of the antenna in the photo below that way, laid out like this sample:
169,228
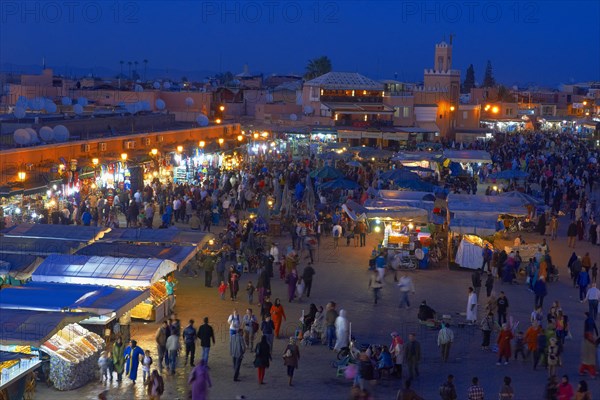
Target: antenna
451,37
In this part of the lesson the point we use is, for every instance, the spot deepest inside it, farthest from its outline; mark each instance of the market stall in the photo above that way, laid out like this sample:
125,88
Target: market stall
16,373
113,271
25,331
15,268
86,234
470,251
157,236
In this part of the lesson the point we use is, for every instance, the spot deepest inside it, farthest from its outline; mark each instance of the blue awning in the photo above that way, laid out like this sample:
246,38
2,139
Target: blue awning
10,355
111,271
18,266
100,300
178,254
57,232
33,328
37,246
170,236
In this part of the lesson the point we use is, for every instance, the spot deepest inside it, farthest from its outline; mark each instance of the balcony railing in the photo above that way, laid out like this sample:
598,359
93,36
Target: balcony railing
352,99
397,94
365,124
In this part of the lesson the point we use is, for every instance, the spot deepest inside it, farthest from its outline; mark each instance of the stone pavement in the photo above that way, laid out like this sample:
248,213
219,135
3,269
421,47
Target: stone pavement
343,277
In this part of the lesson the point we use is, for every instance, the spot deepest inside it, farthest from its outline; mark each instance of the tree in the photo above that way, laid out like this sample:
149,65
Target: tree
469,82
129,64
317,67
488,78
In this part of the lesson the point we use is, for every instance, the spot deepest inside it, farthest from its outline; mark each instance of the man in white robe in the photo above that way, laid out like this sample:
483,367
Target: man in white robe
472,306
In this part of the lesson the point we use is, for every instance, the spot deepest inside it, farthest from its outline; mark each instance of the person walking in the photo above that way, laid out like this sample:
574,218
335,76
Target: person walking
133,358
407,393
540,290
413,356
583,280
487,326
444,341
237,348
397,350
277,315
267,328
553,227
504,349
588,355
502,308
475,392
173,348
206,334
489,284
476,281
307,277
262,358
447,389
583,392
189,339
200,381
161,343
330,316
406,286
118,358
342,331
592,297
552,356
375,285
471,306
291,356
565,389
234,322
571,234
233,282
250,324
506,391
156,386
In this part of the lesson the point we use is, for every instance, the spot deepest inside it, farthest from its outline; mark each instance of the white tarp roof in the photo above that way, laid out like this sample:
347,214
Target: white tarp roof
468,156
110,271
477,204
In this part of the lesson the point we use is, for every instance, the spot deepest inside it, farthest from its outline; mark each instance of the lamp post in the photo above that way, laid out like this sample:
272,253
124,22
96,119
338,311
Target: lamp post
22,175
123,157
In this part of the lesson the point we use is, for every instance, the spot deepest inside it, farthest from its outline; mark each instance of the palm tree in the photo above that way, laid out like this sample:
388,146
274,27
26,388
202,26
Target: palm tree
136,66
145,67
129,63
317,67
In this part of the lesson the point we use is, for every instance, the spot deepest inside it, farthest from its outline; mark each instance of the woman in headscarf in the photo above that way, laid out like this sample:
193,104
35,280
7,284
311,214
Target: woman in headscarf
291,356
342,328
262,358
310,317
200,381
118,358
318,326
277,314
291,279
133,355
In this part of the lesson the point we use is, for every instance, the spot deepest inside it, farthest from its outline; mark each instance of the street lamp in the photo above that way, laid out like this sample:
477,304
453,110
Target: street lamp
179,149
255,135
124,156
240,138
222,108
495,109
218,120
221,141
22,175
95,161
154,152
452,108
202,144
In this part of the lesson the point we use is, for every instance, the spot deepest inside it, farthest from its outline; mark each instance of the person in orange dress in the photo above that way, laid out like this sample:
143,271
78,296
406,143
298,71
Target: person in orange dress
504,349
531,335
277,314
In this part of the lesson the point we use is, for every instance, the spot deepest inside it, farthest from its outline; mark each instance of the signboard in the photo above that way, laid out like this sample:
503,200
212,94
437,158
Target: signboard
371,135
349,135
395,136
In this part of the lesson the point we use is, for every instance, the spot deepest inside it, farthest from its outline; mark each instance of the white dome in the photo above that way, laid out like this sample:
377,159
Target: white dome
78,109
66,101
82,101
189,101
202,120
61,133
19,112
160,104
22,137
46,134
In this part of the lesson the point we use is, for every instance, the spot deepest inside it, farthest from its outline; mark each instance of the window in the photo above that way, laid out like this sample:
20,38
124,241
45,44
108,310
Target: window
509,111
397,111
465,115
406,112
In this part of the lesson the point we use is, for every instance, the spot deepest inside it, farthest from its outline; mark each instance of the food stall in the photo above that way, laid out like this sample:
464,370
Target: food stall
24,332
113,271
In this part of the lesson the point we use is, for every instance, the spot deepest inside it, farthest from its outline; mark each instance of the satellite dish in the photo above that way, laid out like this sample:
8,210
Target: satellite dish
189,101
121,104
21,137
160,104
50,107
33,136
21,102
138,88
66,101
145,105
167,85
61,133
78,109
293,117
82,101
19,112
46,134
156,85
308,110
419,255
38,103
202,120
132,108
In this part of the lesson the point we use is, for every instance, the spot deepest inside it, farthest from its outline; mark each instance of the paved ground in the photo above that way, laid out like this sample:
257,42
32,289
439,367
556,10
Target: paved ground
343,277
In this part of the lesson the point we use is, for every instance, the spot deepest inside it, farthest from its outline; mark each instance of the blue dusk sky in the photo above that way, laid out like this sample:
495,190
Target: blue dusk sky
528,42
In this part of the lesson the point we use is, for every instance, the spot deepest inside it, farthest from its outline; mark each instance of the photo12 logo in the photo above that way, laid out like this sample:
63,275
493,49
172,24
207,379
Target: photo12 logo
237,12
490,12
91,12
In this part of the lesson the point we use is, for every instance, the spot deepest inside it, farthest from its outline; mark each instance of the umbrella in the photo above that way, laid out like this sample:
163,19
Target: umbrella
326,172
509,174
263,210
340,184
286,200
399,174
309,196
354,163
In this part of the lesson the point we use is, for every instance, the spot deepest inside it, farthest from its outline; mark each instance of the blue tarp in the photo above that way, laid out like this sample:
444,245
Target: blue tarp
509,174
127,272
477,204
327,173
57,232
178,254
35,246
10,355
25,327
18,266
468,156
171,235
101,300
339,184
399,174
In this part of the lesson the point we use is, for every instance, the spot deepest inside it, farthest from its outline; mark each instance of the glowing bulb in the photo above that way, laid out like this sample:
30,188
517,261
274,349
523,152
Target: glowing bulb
240,138
377,229
154,152
17,211
410,226
202,144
